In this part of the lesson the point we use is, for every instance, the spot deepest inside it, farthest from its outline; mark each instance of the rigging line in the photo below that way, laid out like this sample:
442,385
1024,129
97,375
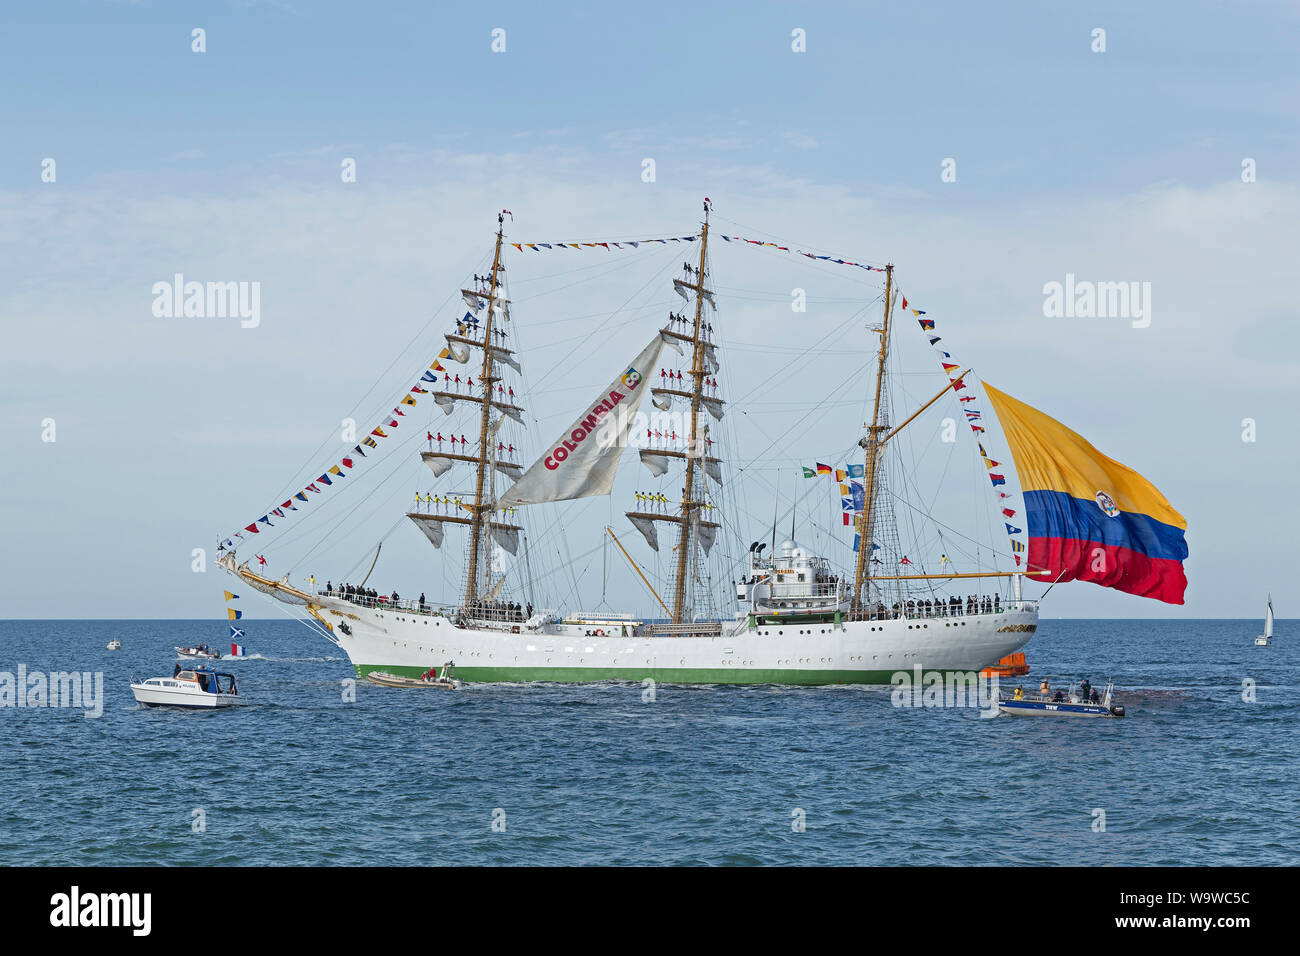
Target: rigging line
392,462
949,528
791,243
396,464
592,278
796,424
586,268
314,628
303,468
556,570
382,538
591,315
609,318
805,353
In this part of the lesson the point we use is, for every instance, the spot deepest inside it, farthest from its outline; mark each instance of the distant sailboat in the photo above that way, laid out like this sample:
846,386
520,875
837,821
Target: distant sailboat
1265,639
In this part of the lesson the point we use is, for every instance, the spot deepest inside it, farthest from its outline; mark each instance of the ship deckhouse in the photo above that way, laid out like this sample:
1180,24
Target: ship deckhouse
792,583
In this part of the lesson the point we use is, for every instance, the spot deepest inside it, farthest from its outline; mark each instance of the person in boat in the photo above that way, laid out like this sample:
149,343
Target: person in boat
176,671
1059,696
1096,697
1085,690
1044,688
1020,693
233,691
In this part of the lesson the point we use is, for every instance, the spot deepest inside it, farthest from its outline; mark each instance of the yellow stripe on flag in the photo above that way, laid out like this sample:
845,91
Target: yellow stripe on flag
1051,457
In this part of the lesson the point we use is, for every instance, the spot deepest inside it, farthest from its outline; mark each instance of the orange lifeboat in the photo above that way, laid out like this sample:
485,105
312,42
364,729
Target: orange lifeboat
1013,665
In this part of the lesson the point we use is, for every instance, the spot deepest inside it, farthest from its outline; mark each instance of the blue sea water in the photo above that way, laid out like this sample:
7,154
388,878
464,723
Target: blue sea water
702,775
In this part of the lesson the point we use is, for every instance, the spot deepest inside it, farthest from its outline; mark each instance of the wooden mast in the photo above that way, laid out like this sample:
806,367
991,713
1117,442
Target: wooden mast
482,510
872,445
685,546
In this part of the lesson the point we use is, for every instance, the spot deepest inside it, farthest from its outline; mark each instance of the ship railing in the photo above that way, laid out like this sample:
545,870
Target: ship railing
600,616
816,590
697,629
494,614
383,603
940,611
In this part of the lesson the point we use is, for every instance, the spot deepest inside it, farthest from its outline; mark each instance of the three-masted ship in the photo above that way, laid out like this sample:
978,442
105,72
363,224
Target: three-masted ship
788,616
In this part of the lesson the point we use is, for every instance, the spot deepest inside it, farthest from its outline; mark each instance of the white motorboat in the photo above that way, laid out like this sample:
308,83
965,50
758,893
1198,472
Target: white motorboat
115,645
200,652
1265,639
198,688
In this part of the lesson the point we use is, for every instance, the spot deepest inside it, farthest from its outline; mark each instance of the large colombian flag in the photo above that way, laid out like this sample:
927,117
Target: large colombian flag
1091,518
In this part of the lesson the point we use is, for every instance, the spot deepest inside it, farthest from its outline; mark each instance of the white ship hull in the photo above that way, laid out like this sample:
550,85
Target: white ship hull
791,652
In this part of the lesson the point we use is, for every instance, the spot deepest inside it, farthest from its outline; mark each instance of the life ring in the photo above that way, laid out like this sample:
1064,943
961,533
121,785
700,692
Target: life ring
598,633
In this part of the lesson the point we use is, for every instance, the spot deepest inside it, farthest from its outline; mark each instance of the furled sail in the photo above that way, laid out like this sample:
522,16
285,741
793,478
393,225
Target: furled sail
656,462
432,530
508,538
583,460
456,351
648,529
684,289
439,464
705,532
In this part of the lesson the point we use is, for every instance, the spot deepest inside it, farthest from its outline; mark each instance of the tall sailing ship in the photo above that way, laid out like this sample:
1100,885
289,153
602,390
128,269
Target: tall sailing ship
785,616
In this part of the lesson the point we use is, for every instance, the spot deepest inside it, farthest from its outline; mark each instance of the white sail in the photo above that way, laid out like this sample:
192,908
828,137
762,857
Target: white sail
440,466
583,460
457,352
432,530
507,538
1268,617
647,527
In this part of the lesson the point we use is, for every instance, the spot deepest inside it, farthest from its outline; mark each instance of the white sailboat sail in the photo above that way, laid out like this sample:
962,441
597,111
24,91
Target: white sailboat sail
1268,617
584,458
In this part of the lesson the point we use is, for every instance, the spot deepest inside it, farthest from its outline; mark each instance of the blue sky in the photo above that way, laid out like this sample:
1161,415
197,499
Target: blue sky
1122,165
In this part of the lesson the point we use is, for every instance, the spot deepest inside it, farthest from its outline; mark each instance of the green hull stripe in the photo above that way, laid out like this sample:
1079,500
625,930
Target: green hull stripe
665,675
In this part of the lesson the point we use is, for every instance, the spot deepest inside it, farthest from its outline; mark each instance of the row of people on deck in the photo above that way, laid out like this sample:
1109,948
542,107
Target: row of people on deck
499,610
953,607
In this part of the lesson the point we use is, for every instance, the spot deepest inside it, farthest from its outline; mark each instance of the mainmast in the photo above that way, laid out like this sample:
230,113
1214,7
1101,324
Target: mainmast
872,445
685,549
694,530
481,510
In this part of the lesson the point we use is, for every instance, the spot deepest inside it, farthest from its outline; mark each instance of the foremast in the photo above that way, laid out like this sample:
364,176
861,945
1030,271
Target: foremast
481,509
477,513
